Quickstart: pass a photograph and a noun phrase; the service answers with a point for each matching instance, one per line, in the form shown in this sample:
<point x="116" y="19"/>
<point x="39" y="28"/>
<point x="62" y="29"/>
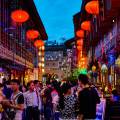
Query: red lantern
<point x="92" y="7"/>
<point x="80" y="33"/>
<point x="32" y="34"/>
<point x="79" y="48"/>
<point x="38" y="43"/>
<point x="19" y="16"/>
<point x="86" y="25"/>
<point x="80" y="42"/>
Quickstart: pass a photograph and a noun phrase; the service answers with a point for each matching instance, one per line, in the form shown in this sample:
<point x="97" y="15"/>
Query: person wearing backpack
<point x="16" y="103"/>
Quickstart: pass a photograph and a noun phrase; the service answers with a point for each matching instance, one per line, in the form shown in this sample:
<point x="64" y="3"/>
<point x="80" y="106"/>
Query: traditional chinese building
<point x="18" y="56"/>
<point x="101" y="42"/>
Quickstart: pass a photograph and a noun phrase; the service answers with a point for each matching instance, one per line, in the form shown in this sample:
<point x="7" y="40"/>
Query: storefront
<point x="106" y="54"/>
<point x="117" y="70"/>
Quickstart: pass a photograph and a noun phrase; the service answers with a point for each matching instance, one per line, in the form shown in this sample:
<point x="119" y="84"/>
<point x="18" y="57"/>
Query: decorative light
<point x="117" y="63"/>
<point x="39" y="53"/>
<point x="80" y="33"/>
<point x="43" y="65"/>
<point x="19" y="16"/>
<point x="104" y="68"/>
<point x="43" y="59"/>
<point x="86" y="25"/>
<point x="93" y="68"/>
<point x="38" y="43"/>
<point x="79" y="48"/>
<point x="43" y="70"/>
<point x="80" y="42"/>
<point x="92" y="7"/>
<point x="39" y="64"/>
<point x="83" y="71"/>
<point x="43" y="48"/>
<point x="32" y="34"/>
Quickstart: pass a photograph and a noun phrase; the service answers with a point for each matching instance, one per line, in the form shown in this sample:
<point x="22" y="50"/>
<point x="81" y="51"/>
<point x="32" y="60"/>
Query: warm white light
<point x="39" y="64"/>
<point x="43" y="59"/>
<point x="43" y="47"/>
<point x="43" y="70"/>
<point x="39" y="53"/>
<point x="40" y="48"/>
<point x="113" y="20"/>
<point x="43" y="65"/>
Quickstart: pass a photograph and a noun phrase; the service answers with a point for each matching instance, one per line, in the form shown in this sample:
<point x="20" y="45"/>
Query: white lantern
<point x="104" y="69"/>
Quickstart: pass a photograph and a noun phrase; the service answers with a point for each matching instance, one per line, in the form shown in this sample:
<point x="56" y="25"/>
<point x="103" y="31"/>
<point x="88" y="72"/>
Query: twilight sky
<point x="57" y="17"/>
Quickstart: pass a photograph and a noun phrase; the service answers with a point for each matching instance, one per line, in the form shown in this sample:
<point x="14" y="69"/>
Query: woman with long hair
<point x="67" y="103"/>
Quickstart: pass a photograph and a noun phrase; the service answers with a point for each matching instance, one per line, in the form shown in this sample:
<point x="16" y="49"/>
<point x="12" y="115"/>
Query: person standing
<point x="67" y="103"/>
<point x="47" y="101"/>
<point x="88" y="99"/>
<point x="32" y="103"/>
<point x="38" y="91"/>
<point x="17" y="101"/>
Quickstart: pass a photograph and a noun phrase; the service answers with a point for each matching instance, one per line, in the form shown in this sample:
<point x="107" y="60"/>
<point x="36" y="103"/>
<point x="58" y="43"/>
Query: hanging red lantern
<point x="80" y="42"/>
<point x="80" y="33"/>
<point x="79" y="48"/>
<point x="32" y="34"/>
<point x="86" y="25"/>
<point x="38" y="43"/>
<point x="19" y="16"/>
<point x="92" y="7"/>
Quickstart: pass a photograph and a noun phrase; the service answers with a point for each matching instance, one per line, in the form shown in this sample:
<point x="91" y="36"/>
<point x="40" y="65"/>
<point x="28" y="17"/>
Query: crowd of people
<point x="51" y="101"/>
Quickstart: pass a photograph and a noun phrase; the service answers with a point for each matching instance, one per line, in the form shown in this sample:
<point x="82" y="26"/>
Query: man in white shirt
<point x="38" y="91"/>
<point x="32" y="103"/>
<point x="17" y="101"/>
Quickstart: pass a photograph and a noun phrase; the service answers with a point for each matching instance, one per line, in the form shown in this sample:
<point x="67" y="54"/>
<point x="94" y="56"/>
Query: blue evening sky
<point x="57" y="17"/>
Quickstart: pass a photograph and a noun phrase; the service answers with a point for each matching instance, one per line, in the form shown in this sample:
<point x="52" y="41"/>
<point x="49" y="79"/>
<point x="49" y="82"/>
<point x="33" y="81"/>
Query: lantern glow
<point x="86" y="25"/>
<point x="92" y="7"/>
<point x="43" y="48"/>
<point x="39" y="64"/>
<point x="80" y="42"/>
<point x="43" y="59"/>
<point x="38" y="43"/>
<point x="32" y="34"/>
<point x="39" y="53"/>
<point x="80" y="33"/>
<point x="19" y="16"/>
<point x="43" y="70"/>
<point x="79" y="48"/>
